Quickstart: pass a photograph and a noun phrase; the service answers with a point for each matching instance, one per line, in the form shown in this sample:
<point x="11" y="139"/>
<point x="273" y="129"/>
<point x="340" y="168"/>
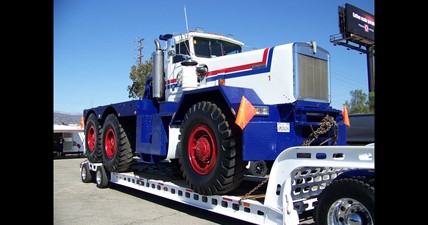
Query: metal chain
<point x="325" y="125"/>
<point x="254" y="189"/>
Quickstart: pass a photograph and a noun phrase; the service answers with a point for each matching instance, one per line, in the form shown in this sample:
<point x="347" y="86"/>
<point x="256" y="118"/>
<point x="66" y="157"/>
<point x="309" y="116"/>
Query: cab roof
<point x="209" y="35"/>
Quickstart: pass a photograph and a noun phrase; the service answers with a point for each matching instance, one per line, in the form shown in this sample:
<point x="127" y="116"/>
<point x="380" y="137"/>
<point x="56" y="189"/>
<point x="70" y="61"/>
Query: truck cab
<point x="198" y="47"/>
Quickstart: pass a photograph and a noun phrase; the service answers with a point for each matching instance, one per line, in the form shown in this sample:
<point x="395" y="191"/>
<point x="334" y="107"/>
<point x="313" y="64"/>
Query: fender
<point x="225" y="96"/>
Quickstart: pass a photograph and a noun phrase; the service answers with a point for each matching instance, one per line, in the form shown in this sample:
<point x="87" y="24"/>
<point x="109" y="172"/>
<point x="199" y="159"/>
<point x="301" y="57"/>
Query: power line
<point x="348" y="81"/>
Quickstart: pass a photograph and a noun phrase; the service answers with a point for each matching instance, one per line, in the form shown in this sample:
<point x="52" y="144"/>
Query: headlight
<point x="262" y="110"/>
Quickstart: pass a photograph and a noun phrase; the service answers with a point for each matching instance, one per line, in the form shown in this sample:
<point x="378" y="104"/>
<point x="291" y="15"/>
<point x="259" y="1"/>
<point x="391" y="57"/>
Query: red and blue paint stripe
<point x="249" y="69"/>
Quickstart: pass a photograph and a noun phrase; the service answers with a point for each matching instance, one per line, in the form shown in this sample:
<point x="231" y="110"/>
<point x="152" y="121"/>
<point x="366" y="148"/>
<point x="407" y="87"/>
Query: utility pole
<point x="370" y="67"/>
<point x="140" y="49"/>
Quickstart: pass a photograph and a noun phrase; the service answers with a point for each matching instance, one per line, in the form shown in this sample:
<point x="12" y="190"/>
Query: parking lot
<point x="76" y="202"/>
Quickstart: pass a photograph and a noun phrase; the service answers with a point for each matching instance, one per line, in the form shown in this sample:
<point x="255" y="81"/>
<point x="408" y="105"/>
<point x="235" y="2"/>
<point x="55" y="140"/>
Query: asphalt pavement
<point x="79" y="203"/>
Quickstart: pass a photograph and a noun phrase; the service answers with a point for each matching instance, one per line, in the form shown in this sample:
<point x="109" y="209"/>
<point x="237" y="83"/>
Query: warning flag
<point x="246" y="112"/>
<point x="345" y="116"/>
<point x="82" y="123"/>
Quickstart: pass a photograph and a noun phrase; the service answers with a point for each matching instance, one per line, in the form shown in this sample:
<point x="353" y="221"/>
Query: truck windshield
<point x="209" y="48"/>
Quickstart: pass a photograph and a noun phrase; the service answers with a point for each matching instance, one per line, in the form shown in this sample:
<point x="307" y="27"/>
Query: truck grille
<point x="313" y="78"/>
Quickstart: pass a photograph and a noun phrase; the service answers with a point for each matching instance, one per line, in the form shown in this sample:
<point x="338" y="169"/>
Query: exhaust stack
<point x="158" y="77"/>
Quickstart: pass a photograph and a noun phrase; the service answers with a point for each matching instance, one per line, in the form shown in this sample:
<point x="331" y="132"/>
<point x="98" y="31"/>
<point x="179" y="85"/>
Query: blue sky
<point x="95" y="41"/>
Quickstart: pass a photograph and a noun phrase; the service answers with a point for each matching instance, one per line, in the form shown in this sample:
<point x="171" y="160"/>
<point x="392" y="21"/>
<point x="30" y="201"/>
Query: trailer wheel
<point x="346" y="201"/>
<point x="208" y="155"/>
<point x="93" y="139"/>
<point x="101" y="177"/>
<point x="258" y="168"/>
<point x="117" y="152"/>
<point x="85" y="173"/>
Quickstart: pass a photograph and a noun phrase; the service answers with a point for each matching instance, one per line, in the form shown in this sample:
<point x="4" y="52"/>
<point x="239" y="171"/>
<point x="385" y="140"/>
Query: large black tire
<point x="93" y="139"/>
<point x="258" y="168"/>
<point x="117" y="152"/>
<point x="102" y="178"/>
<point x="347" y="201"/>
<point x="85" y="173"/>
<point x="208" y="151"/>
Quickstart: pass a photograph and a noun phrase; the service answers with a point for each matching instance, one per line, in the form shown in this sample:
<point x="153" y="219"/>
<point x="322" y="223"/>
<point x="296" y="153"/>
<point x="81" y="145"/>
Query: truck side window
<point x="181" y="51"/>
<point x="209" y="48"/>
<point x="230" y="48"/>
<point x="182" y="48"/>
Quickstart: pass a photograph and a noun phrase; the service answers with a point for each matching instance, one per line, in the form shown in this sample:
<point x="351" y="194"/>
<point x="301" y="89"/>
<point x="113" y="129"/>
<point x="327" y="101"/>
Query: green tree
<point x="371" y="102"/>
<point x="138" y="75"/>
<point x="348" y="105"/>
<point x="360" y="103"/>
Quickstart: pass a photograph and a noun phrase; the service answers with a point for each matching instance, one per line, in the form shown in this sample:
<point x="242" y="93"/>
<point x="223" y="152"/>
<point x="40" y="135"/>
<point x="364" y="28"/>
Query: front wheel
<point x="347" y="201"/>
<point x="209" y="155"/>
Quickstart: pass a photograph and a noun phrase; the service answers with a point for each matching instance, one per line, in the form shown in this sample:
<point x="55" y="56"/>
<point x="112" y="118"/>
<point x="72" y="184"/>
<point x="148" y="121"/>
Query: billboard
<point x="359" y="22"/>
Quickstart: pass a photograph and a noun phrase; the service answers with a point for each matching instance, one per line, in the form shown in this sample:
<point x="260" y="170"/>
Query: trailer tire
<point x="85" y="173"/>
<point x="93" y="139"/>
<point x="208" y="151"/>
<point x="347" y="200"/>
<point x="101" y="177"/>
<point x="258" y="168"/>
<point x="116" y="151"/>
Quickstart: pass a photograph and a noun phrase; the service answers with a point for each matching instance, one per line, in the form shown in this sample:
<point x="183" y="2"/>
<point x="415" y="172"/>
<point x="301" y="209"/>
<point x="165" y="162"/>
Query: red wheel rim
<point x="202" y="149"/>
<point x="110" y="143"/>
<point x="91" y="137"/>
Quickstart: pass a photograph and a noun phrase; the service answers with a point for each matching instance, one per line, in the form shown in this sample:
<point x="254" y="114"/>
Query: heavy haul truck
<point x="209" y="109"/>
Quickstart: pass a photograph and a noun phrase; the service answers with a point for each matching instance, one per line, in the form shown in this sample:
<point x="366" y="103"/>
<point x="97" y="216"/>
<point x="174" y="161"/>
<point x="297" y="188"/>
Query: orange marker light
<point x="222" y="82"/>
